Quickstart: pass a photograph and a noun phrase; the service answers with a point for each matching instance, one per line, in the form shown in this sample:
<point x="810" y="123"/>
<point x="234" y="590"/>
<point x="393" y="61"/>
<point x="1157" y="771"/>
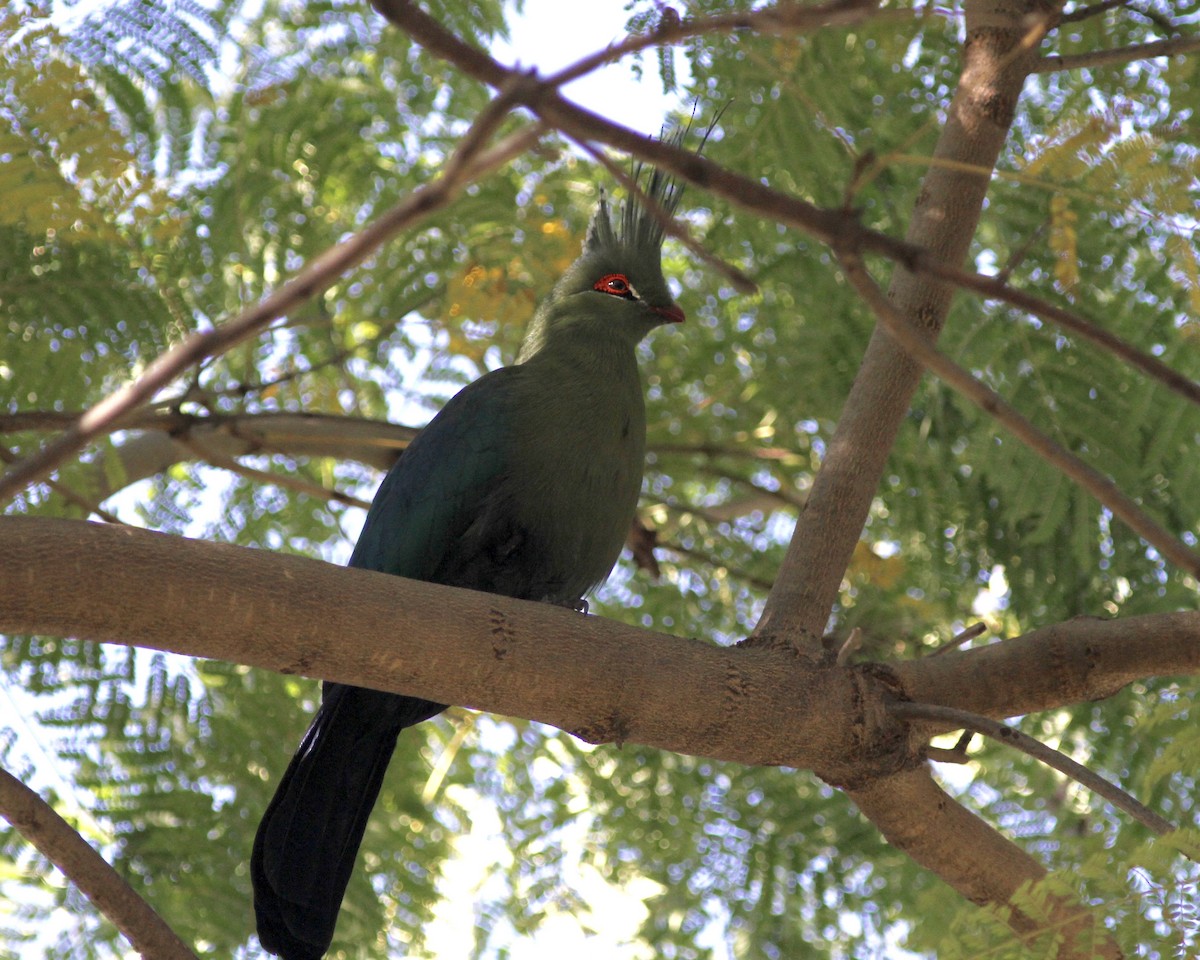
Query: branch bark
<point x="597" y="679"/>
<point x="62" y="845"/>
<point x="943" y="225"/>
<point x="289" y="614"/>
<point x="1078" y="661"/>
<point x="989" y="867"/>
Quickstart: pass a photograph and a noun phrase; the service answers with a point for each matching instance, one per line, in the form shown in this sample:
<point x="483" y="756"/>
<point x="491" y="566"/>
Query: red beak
<point x="673" y="313"/>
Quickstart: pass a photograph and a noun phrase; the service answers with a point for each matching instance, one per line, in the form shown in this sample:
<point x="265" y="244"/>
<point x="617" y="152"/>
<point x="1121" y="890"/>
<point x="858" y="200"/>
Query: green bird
<point x="525" y="484"/>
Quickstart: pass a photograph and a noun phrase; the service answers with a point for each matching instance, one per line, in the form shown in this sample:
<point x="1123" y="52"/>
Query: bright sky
<point x="551" y="34"/>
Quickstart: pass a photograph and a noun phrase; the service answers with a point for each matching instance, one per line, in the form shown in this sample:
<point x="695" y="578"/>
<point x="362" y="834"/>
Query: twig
<point x="1089" y="478"/>
<point x="1118" y="55"/>
<point x="947" y="754"/>
<point x="1086" y="13"/>
<point x="957" y="641"/>
<point x="835" y="227"/>
<point x="789" y="18"/>
<point x="1039" y="751"/>
<point x="1017" y="257"/>
<point x="67" y="493"/>
<point x="100" y="883"/>
<point x="703" y="448"/>
<point x="437" y="775"/>
<point x="758" y="583"/>
<point x="468" y="162"/>
<point x="265" y="476"/>
<point x="851" y="646"/>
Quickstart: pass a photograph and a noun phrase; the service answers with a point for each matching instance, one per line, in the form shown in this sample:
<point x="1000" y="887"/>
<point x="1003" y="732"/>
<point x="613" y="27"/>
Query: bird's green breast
<point x="581" y="446"/>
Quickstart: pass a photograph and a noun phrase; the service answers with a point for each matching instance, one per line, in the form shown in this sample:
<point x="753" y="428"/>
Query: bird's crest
<point x="643" y="211"/>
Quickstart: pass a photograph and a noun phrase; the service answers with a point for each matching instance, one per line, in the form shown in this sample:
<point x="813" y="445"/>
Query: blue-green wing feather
<point x="438" y="487"/>
<point x="424" y="524"/>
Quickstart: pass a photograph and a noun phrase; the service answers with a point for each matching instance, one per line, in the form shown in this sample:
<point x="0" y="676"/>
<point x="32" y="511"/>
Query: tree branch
<point x="951" y="841"/>
<point x="469" y="162"/>
<point x="1101" y="487"/>
<point x="1086" y="13"/>
<point x="747" y="705"/>
<point x="62" y="845"/>
<point x="68" y="493"/>
<point x="779" y="18"/>
<point x="974" y="109"/>
<point x="285" y="480"/>
<point x="943" y="225"/>
<point x="1039" y="751"/>
<point x="598" y="679"/>
<point x="1118" y="55"/>
<point x="1079" y="661"/>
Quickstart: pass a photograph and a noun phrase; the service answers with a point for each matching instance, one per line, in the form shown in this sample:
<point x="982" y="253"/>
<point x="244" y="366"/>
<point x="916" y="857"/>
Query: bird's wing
<point x="441" y="483"/>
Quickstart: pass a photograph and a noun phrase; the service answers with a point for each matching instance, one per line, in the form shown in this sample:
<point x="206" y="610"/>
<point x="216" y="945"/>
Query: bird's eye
<point x="616" y="284"/>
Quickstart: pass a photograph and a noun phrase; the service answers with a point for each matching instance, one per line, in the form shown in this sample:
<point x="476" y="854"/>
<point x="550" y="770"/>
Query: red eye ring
<point x="615" y="284"/>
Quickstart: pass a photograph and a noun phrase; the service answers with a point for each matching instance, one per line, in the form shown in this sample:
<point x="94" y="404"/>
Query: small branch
<point x="1017" y="257"/>
<point x="969" y="634"/>
<point x="1079" y="661"/>
<point x="789" y="18"/>
<point x="67" y="493"/>
<point x="758" y="583"/>
<point x="468" y="162"/>
<point x="705" y="449"/>
<point x="287" y="481"/>
<point x="37" y="822"/>
<point x="1039" y="751"/>
<point x="1090" y="479"/>
<point x="1118" y="55"/>
<point x="947" y="755"/>
<point x="1086" y="13"/>
<point x="851" y="646"/>
<point x="466" y="726"/>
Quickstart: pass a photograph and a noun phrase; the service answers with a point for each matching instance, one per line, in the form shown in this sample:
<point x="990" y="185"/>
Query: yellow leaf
<point x="1063" y="242"/>
<point x="1183" y="254"/>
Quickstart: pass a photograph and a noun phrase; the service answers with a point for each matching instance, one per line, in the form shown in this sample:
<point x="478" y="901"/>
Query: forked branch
<point x="1003" y="733"/>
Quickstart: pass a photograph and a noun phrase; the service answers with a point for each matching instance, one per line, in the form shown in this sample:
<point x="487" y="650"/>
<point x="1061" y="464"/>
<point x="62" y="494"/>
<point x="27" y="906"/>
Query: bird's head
<point x="616" y="287"/>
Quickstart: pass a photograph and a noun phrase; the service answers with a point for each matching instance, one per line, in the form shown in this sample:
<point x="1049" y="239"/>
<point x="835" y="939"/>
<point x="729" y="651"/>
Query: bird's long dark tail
<point x="308" y="840"/>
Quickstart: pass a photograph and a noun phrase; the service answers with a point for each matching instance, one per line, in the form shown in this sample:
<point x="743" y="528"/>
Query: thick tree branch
<point x="62" y="845"/>
<point x="1078" y="661"/>
<point x="598" y="679"/>
<point x="953" y="842"/>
